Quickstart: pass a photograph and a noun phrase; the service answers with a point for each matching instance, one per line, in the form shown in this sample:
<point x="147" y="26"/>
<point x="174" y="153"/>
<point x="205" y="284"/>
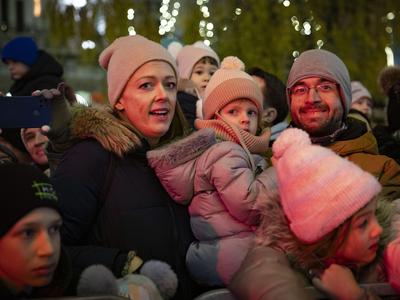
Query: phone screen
<point x="24" y="112"/>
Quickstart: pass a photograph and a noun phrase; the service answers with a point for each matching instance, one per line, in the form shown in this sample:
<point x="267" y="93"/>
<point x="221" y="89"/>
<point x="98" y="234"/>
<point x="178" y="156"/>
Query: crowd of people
<point x="224" y="176"/>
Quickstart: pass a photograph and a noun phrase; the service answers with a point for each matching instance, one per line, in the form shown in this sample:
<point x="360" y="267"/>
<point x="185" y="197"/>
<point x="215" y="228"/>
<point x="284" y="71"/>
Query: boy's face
<point x="242" y="113"/>
<point x="361" y="243"/>
<point x="16" y="69"/>
<point x="35" y="142"/>
<point x="30" y="250"/>
<point x="201" y="74"/>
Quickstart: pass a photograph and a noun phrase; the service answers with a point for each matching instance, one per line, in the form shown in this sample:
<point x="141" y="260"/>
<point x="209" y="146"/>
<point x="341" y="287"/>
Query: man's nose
<point x="313" y="95"/>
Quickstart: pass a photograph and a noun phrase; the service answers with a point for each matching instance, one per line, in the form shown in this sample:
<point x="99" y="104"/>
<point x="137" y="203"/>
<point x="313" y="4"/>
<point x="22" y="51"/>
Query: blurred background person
<point x="35" y="143"/>
<point x="361" y="103"/>
<point x="31" y="69"/>
<point x="388" y="136"/>
<point x="275" y="104"/>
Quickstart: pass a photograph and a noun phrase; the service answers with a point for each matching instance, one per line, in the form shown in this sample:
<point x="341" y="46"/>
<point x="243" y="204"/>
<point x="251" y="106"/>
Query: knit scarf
<point x="225" y="131"/>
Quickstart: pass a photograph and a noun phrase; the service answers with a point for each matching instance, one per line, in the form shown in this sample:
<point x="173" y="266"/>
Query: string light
<point x="168" y="16"/>
<point x="205" y="28"/>
<point x="306" y="27"/>
<point x="130" y="15"/>
<point x="88" y="44"/>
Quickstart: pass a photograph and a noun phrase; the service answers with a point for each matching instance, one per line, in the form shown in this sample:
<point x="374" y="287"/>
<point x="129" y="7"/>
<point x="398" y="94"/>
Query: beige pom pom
<point x="232" y="63"/>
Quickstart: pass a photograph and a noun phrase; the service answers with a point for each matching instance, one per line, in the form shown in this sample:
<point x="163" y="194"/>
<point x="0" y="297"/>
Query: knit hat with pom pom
<point x="319" y="190"/>
<point x="230" y="83"/>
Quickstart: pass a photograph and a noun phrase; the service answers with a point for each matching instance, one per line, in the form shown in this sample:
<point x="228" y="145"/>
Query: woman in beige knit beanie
<point x="115" y="211"/>
<point x="220" y="173"/>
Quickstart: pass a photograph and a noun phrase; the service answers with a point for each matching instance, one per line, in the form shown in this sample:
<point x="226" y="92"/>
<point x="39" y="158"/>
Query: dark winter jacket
<point x="359" y="145"/>
<point x="45" y="73"/>
<point x="188" y="104"/>
<point x="388" y="142"/>
<point x="112" y="202"/>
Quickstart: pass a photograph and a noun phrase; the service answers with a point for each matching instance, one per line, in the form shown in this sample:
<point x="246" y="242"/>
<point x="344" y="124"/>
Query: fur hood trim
<point x="274" y="230"/>
<point x="184" y="150"/>
<point x="388" y="77"/>
<point x="100" y="123"/>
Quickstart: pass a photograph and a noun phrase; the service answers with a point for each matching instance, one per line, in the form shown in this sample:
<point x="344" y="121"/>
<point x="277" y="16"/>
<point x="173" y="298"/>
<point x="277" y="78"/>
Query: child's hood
<point x="175" y="163"/>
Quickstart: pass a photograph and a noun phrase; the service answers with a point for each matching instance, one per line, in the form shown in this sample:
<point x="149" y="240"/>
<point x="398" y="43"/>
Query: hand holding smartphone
<point x="24" y="111"/>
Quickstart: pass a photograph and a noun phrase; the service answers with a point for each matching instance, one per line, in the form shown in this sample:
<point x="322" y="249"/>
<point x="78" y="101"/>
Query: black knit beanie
<point x="23" y="188"/>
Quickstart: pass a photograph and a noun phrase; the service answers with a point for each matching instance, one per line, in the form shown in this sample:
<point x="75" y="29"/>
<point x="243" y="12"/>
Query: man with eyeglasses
<point x="319" y="97"/>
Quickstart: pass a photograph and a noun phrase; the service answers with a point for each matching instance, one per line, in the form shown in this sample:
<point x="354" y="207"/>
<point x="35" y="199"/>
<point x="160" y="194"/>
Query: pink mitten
<point x="392" y="263"/>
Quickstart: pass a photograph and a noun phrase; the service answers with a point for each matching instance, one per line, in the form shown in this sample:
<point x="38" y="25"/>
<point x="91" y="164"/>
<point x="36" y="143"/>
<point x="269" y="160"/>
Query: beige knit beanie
<point x="319" y="190"/>
<point x="230" y="83"/>
<point x="124" y="56"/>
<point x="189" y="55"/>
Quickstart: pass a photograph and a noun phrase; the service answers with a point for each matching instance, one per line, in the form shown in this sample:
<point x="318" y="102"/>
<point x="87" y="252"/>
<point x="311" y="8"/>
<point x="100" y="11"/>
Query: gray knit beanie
<point x="325" y="64"/>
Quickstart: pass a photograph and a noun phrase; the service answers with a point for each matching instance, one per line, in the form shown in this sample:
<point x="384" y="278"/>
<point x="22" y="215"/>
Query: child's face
<point x="201" y="74"/>
<point x="364" y="105"/>
<point x="242" y="113"/>
<point x="362" y="241"/>
<point x="30" y="250"/>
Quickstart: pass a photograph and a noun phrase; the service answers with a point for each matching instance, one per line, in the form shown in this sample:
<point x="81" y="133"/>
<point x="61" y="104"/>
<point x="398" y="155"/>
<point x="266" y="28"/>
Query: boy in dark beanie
<point x="31" y="261"/>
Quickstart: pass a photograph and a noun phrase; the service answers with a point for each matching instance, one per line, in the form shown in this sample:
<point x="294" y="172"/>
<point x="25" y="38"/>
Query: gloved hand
<point x="58" y="131"/>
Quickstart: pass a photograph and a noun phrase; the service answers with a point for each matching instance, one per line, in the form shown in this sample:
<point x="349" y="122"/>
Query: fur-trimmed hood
<point x="274" y="231"/>
<point x="179" y="157"/>
<point x="101" y="123"/>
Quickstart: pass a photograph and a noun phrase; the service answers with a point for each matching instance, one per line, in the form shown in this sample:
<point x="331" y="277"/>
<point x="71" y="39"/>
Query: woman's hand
<point x="339" y="282"/>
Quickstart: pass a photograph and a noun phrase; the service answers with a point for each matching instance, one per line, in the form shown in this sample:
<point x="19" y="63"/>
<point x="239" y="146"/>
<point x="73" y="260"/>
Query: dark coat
<point x="388" y="142"/>
<point x="133" y="213"/>
<point x="188" y="104"/>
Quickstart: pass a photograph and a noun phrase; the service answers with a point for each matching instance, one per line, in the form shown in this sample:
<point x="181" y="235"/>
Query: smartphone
<point x="24" y="111"/>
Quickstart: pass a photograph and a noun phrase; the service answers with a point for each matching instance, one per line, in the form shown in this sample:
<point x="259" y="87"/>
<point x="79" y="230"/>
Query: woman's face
<point x="361" y="243"/>
<point x="149" y="98"/>
<point x="30" y="250"/>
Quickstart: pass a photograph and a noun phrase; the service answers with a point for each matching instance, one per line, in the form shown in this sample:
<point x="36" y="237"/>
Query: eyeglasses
<point x="321" y="89"/>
